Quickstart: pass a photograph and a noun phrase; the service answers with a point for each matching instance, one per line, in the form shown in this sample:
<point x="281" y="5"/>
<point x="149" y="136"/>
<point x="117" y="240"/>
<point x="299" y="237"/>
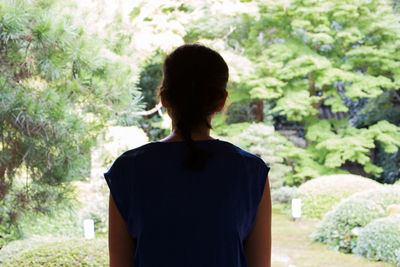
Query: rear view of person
<point x="190" y="200"/>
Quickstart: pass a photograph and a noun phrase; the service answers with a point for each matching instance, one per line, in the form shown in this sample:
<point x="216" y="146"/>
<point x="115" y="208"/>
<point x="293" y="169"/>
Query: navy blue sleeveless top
<point x="184" y="218"/>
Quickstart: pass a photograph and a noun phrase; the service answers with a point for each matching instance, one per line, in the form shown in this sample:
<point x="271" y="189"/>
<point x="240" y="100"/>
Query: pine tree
<point x="56" y="95"/>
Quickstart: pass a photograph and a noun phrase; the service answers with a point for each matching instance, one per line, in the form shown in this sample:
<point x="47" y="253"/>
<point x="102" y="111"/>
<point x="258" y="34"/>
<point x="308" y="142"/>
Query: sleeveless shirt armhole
<point x="264" y="170"/>
<point x="262" y="180"/>
<point x="117" y="185"/>
<point x="258" y="187"/>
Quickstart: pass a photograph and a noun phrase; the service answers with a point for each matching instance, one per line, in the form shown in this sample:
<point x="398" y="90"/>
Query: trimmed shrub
<point x="393" y="210"/>
<point x="317" y="206"/>
<point x="337" y="226"/>
<point x="380" y="240"/>
<point x="74" y="252"/>
<point x="384" y="197"/>
<point x="321" y="194"/>
<point x="284" y="194"/>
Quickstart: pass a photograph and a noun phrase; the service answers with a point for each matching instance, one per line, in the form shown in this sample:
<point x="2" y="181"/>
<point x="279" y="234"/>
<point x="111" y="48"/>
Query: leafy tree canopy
<point x="312" y="54"/>
<point x="56" y="94"/>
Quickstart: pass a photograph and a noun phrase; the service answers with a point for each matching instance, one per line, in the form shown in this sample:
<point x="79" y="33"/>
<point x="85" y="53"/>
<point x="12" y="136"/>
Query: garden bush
<point x="321" y="194"/>
<point x="73" y="252"/>
<point x="63" y="221"/>
<point x="384" y="197"/>
<point x="284" y="194"/>
<point x="380" y="240"/>
<point x="317" y="206"/>
<point x="337" y="228"/>
<point x="392" y="210"/>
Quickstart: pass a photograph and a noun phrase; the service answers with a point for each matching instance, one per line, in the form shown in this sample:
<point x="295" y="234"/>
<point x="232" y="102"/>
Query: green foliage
<point x="229" y="130"/>
<point x="396" y="6"/>
<point x="337" y="226"/>
<point x="152" y="127"/>
<point x="100" y="225"/>
<point x="304" y="165"/>
<point x="239" y="112"/>
<point x="393" y="210"/>
<point x="265" y="88"/>
<point x="302" y="50"/>
<point x="317" y="206"/>
<point x="134" y="13"/>
<point x="380" y="240"/>
<point x="296" y="104"/>
<point x="321" y="194"/>
<point x="74" y="252"/>
<point x="384" y="107"/>
<point x="383" y="197"/>
<point x="56" y="95"/>
<point x="208" y="27"/>
<point x="337" y="143"/>
<point x="297" y="61"/>
<point x="284" y="194"/>
<point x="9" y="231"/>
<point x="61" y="222"/>
<point x="150" y="78"/>
<point x="58" y="91"/>
<point x="290" y="165"/>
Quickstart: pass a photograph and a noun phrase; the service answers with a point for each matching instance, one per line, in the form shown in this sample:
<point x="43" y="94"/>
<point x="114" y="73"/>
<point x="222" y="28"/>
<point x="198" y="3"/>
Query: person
<point x="190" y="199"/>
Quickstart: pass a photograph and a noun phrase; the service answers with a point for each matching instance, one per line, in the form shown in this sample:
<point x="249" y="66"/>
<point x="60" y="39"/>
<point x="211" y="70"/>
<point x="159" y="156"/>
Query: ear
<point x="223" y="102"/>
<point x="164" y="102"/>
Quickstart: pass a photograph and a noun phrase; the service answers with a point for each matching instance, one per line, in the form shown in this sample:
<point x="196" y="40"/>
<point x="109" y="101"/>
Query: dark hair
<point x="194" y="84"/>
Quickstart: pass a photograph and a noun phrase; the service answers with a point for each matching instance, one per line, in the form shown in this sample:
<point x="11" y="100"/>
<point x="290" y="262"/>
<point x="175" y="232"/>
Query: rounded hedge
<point x="317" y="206"/>
<point x="283" y="194"/>
<point x="338" y="227"/>
<point x="380" y="240"/>
<point x="321" y="194"/>
<point x="392" y="210"/>
<point x="384" y="197"/>
<point x="74" y="252"/>
<point x="338" y="185"/>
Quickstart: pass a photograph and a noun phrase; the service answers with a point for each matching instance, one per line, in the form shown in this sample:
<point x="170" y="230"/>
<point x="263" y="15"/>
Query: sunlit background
<point x="314" y="89"/>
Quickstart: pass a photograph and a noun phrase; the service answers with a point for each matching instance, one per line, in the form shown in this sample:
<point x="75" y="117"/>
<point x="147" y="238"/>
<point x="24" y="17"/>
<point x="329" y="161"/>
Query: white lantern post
<point x="88" y="227"/>
<point x="296" y="208"/>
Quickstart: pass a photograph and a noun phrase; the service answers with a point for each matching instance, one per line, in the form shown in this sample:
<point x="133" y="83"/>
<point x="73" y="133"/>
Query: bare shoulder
<point x="258" y="244"/>
<point x="122" y="246"/>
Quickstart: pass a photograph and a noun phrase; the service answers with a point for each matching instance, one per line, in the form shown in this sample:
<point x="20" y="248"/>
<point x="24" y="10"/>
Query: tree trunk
<point x="257" y="109"/>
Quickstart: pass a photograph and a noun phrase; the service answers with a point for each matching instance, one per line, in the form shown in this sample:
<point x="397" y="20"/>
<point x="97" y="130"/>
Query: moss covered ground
<point x="292" y="247"/>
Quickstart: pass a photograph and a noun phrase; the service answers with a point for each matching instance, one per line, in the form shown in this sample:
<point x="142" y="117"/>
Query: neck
<point x="200" y="133"/>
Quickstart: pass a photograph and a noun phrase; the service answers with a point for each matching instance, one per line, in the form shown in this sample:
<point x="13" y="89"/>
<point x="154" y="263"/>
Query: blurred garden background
<point x="314" y="90"/>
